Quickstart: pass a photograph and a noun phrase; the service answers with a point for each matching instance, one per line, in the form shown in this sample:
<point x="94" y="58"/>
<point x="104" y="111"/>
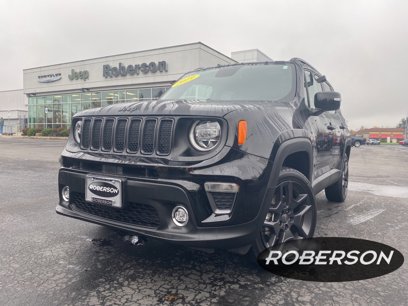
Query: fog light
<point x="180" y="216"/>
<point x="65" y="193"/>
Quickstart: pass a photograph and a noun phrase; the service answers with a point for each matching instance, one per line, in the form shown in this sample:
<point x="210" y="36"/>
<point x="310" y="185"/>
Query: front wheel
<point x="291" y="214"/>
<point x="357" y="144"/>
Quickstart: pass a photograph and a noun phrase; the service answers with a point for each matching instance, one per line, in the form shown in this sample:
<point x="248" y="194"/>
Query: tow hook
<point x="134" y="240"/>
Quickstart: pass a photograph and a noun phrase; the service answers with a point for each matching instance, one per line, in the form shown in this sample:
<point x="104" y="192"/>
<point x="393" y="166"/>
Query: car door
<point x="318" y="125"/>
<point x="337" y="128"/>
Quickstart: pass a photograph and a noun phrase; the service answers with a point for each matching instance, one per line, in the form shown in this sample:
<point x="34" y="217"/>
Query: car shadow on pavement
<point x="159" y="272"/>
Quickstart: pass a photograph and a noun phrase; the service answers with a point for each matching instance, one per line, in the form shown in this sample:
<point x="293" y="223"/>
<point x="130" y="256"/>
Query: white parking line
<point x="366" y="216"/>
<point x="357" y="204"/>
<point x="380" y="190"/>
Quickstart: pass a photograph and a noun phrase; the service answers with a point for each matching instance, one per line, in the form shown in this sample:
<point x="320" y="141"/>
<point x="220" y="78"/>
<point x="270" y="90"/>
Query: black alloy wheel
<point x="291" y="214"/>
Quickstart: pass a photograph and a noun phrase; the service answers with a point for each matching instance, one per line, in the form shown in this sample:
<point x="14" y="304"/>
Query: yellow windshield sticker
<point x="186" y="80"/>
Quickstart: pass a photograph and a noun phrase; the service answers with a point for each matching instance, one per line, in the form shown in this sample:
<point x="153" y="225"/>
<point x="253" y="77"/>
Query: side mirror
<point x="327" y="101"/>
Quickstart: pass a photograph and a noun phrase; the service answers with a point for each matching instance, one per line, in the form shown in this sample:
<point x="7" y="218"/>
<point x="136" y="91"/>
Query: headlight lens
<point x="205" y="136"/>
<point x="77" y="131"/>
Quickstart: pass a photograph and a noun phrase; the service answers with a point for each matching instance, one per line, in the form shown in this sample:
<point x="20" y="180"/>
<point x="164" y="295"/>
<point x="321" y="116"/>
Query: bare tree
<point x="403" y="123"/>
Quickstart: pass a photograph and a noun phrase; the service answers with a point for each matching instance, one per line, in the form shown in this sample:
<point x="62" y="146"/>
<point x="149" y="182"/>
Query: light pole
<point x="406" y="127"/>
<point x="46" y="117"/>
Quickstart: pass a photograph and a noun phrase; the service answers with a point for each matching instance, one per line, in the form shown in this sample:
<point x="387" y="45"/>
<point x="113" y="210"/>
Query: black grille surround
<point x="132" y="213"/>
<point x="134" y="135"/>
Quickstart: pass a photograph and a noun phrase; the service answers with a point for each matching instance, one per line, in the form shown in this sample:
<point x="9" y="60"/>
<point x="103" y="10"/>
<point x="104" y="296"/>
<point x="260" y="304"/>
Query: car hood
<point x="160" y="108"/>
<point x="172" y="107"/>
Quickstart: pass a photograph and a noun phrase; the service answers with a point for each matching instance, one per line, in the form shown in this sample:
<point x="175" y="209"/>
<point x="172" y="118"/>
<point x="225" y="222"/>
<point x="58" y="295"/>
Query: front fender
<point x="278" y="156"/>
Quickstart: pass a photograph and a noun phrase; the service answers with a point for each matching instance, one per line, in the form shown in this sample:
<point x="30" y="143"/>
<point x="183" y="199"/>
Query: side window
<point x="307" y="80"/>
<point x="312" y="87"/>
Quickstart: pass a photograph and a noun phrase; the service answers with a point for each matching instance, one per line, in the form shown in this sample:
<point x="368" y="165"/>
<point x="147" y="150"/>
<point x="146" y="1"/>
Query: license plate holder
<point x="104" y="191"/>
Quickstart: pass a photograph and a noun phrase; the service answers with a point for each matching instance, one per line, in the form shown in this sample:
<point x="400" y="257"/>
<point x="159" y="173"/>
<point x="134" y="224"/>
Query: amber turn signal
<point x="242" y="132"/>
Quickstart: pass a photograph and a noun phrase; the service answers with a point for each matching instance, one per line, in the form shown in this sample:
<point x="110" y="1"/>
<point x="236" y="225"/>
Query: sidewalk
<point x="34" y="137"/>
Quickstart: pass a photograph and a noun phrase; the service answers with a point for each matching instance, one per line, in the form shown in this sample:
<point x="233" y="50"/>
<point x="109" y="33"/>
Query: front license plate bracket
<point x="104" y="191"/>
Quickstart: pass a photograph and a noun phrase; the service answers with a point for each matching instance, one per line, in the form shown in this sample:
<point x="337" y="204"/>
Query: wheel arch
<point x="296" y="153"/>
<point x="286" y="151"/>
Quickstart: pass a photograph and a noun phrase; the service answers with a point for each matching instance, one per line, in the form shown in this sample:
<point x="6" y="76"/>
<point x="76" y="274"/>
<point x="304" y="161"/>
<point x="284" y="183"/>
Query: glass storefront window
<point x="48" y="99"/>
<point x="57" y="115"/>
<point x="65" y="113"/>
<point x="145" y="94"/>
<point x="32" y="114"/>
<point x="62" y="107"/>
<point x="32" y="101"/>
<point x="40" y="114"/>
<point x="132" y="95"/>
<point x="75" y="98"/>
<point x="86" y="100"/>
<point x="49" y="115"/>
<point x="86" y="97"/>
<point x="40" y="100"/>
<point x="66" y="98"/>
<point x="157" y="92"/>
<point x="57" y="99"/>
<point x="121" y="96"/>
<point x="75" y="108"/>
<point x="96" y="99"/>
<point x="108" y="97"/>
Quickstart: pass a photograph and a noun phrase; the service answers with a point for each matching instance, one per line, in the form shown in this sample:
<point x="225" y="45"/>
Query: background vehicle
<point x="373" y="142"/>
<point x="230" y="157"/>
<point x="358" y="141"/>
<point x="404" y="142"/>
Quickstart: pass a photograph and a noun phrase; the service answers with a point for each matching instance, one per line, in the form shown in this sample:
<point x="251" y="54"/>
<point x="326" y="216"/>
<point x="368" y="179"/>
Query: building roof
<point x="129" y="53"/>
<point x="381" y="130"/>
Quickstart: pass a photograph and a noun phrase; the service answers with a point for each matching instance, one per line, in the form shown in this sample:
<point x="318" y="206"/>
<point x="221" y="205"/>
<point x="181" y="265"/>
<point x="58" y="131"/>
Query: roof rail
<point x="297" y="59"/>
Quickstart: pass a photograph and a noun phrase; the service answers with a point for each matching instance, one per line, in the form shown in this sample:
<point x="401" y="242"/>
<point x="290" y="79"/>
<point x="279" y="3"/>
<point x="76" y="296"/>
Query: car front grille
<point x="131" y="213"/>
<point x="144" y="136"/>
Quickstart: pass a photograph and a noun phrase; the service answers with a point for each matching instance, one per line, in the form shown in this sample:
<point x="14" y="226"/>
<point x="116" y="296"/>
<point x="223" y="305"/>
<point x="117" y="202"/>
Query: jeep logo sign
<point x="103" y="189"/>
<point x="329" y="259"/>
<point x="80" y="75"/>
<point x="123" y="70"/>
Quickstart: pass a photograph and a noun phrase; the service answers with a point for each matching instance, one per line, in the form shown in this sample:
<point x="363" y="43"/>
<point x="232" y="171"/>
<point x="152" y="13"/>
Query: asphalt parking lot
<point x="47" y="259"/>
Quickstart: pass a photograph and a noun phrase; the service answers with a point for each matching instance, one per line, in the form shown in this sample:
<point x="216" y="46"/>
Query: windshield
<point x="250" y="82"/>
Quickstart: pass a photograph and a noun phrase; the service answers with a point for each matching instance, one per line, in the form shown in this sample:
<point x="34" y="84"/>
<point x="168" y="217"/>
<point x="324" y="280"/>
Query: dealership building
<point x="52" y="94"/>
<point x="56" y="92"/>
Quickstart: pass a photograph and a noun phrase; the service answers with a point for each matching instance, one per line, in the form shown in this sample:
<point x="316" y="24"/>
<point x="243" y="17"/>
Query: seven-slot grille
<point x="134" y="135"/>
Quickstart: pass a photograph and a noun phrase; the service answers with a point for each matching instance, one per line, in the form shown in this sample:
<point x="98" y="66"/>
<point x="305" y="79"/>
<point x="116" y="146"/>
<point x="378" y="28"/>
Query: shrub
<point x="63" y="133"/>
<point x="24" y="131"/>
<point x="46" y="132"/>
<point x="31" y="132"/>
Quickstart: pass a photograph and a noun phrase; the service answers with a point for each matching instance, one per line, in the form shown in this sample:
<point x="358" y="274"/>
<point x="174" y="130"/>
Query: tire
<point x="338" y="191"/>
<point x="357" y="143"/>
<point x="288" y="218"/>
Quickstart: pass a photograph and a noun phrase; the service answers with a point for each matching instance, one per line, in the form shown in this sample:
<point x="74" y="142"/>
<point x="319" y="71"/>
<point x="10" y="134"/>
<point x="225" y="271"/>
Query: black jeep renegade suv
<point x="230" y="157"/>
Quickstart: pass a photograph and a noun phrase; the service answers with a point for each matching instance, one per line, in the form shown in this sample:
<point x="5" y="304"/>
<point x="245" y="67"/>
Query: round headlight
<point x="205" y="136"/>
<point x="77" y="131"/>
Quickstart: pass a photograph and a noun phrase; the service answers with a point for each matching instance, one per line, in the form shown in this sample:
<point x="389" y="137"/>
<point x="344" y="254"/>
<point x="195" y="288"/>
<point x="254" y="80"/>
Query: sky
<point x="361" y="46"/>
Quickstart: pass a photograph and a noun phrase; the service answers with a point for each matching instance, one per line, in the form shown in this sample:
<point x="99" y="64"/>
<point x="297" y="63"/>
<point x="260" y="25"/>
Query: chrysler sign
<point x="124" y="70"/>
<point x="49" y="78"/>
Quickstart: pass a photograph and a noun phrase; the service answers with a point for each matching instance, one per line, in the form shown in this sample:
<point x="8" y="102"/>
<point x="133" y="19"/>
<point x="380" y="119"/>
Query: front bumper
<point x="148" y="204"/>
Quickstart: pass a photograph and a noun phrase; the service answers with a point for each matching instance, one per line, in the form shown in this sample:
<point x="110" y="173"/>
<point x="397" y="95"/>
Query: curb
<point x="35" y="137"/>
